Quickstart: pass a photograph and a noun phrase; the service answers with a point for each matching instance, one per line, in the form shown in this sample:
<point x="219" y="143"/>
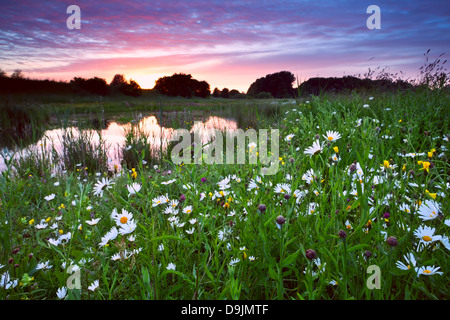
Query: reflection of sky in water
<point x="115" y="136"/>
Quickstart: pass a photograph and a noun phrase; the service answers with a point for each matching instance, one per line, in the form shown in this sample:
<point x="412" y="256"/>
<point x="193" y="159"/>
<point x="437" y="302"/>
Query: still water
<point x="114" y="136"/>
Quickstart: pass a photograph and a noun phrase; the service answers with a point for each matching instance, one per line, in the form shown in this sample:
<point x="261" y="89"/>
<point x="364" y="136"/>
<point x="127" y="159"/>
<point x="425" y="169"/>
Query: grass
<point x="217" y="244"/>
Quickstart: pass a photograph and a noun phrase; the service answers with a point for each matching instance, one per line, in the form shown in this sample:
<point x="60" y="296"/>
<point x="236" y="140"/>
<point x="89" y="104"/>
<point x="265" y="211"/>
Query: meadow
<point x="357" y="210"/>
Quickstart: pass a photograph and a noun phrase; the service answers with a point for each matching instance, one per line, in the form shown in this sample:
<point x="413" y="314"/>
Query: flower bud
<point x="281" y="220"/>
<point x="310" y="254"/>
<point x="392" y="241"/>
<point x="342" y="234"/>
<point x="262" y="208"/>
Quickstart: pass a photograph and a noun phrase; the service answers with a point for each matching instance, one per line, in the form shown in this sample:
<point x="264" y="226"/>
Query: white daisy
<point x="94" y="285"/>
<point x="50" y="197"/>
<point x="134" y="188"/>
<point x="61" y="293"/>
<point x="332" y="135"/>
<point x="314" y="149"/>
<point x="429" y="210"/>
<point x="93" y="222"/>
<point x="428" y="271"/>
<point x="171" y="266"/>
<point x="101" y="186"/>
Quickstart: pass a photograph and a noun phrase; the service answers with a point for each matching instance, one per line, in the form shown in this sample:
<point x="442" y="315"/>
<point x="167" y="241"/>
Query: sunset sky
<point x="226" y="43"/>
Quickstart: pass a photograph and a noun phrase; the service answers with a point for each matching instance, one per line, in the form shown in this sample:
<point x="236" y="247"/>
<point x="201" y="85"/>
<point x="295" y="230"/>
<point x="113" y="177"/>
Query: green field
<point x="373" y="198"/>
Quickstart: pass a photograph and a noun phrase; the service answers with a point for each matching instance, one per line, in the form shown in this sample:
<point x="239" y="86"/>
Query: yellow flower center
<point x="348" y="226"/>
<point x="427" y="271"/>
<point x="330" y="138"/>
<point x="426" y="238"/>
<point x="123" y="220"/>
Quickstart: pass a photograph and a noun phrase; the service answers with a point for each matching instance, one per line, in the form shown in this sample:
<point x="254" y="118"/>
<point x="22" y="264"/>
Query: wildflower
<point x="428" y="271"/>
<point x="134" y="173"/>
<point x="289" y="137"/>
<point x="310" y="254"/>
<point x="92" y="222"/>
<point x="110" y="235"/>
<point x="190" y="231"/>
<point x="282" y="188"/>
<point x="31" y="222"/>
<point x="336" y="149"/>
<point x="314" y="149"/>
<point x="332" y="136"/>
<point x="429" y="210"/>
<point x="101" y="186"/>
<point x="187" y="209"/>
<point x="122" y="218"/>
<point x="94" y="285"/>
<point x="280" y="221"/>
<point x="392" y="241"/>
<point x="342" y="234"/>
<point x="44" y="265"/>
<point x="410" y="260"/>
<point x="233" y="262"/>
<point x="134" y="188"/>
<point x="50" y="197"/>
<point x="262" y="208"/>
<point x="171" y="266"/>
<point x="61" y="293"/>
<point x="168" y="182"/>
<point x="128" y="227"/>
<point x="426" y="235"/>
<point x="348" y="225"/>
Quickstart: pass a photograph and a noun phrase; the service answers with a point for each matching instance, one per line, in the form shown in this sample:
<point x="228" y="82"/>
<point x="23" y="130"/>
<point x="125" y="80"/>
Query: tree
<point x="3" y="74"/>
<point x="182" y="85"/>
<point x="120" y="85"/>
<point x="216" y="93"/>
<point x="225" y="93"/>
<point x="17" y="74"/>
<point x="93" y="86"/>
<point x="278" y="84"/>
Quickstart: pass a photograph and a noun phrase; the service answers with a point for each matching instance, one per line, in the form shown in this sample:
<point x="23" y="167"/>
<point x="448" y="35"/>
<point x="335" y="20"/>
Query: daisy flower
<point x="101" y="186"/>
<point x="426" y="235"/>
<point x="410" y="260"/>
<point x="187" y="209"/>
<point x="93" y="222"/>
<point x="44" y="265"/>
<point x="50" y="197"/>
<point x="94" y="285"/>
<point x="169" y="181"/>
<point x="289" y="137"/>
<point x="314" y="149"/>
<point x="110" y="235"/>
<point x="282" y="188"/>
<point x="134" y="188"/>
<point x="308" y="176"/>
<point x="428" y="271"/>
<point x="173" y="203"/>
<point x="159" y="200"/>
<point x="429" y="210"/>
<point x="224" y="184"/>
<point x="233" y="262"/>
<point x="122" y="218"/>
<point x="61" y="293"/>
<point x="171" y="266"/>
<point x="191" y="231"/>
<point x="128" y="227"/>
<point x="332" y="136"/>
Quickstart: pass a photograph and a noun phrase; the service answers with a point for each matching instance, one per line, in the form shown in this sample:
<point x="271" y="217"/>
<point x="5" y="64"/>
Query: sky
<point x="229" y="44"/>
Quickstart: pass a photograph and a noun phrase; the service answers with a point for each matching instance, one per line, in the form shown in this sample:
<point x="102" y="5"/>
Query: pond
<point x="157" y="129"/>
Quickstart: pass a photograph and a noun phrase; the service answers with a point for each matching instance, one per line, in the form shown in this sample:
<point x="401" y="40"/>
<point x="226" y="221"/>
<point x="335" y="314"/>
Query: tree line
<point x="275" y="85"/>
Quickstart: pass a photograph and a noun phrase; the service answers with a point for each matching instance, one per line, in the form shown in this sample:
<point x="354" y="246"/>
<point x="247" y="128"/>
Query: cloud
<point x="216" y="39"/>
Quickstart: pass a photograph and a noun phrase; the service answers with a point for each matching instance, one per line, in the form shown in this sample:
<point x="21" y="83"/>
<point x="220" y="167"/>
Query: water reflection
<point x="114" y="136"/>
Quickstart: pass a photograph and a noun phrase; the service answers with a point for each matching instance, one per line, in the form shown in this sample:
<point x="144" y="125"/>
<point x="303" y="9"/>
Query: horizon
<point x="227" y="45"/>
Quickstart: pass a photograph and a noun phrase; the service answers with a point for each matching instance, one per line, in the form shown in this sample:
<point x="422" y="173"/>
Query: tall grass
<point x="234" y="248"/>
